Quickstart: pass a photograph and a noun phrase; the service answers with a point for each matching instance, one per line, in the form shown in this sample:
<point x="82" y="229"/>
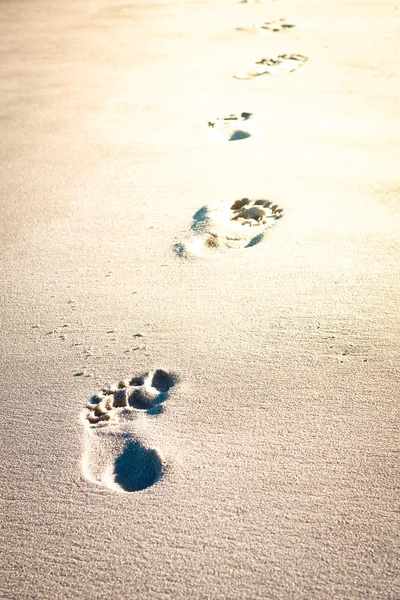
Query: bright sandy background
<point x="281" y="439"/>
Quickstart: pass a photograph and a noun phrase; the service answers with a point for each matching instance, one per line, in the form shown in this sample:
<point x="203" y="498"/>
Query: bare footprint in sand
<point x="231" y="127"/>
<point x="283" y="63"/>
<point x="238" y="225"/>
<point x="279" y="25"/>
<point x="115" y="454"/>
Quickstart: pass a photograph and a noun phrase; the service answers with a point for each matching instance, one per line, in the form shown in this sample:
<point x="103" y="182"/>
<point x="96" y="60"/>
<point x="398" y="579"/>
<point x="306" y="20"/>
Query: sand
<point x="271" y="468"/>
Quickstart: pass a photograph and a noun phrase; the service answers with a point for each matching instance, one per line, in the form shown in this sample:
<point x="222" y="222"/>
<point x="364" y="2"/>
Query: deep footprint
<point x="114" y="455"/>
<point x="283" y="63"/>
<point x="238" y="225"/>
<point x="231" y="127"/>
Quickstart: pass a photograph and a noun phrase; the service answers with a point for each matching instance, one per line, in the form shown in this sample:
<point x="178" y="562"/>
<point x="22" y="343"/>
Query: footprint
<point x="115" y="455"/>
<point x="283" y="63"/>
<point x="238" y="225"/>
<point x="229" y="127"/>
<point x="278" y="25"/>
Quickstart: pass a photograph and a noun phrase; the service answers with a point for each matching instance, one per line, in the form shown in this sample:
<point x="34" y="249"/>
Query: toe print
<point x="283" y="63"/>
<point x="238" y="225"/>
<point x="110" y="405"/>
<point x="115" y="456"/>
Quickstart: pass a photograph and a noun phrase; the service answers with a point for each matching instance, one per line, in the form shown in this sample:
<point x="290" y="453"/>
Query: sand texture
<point x="200" y="396"/>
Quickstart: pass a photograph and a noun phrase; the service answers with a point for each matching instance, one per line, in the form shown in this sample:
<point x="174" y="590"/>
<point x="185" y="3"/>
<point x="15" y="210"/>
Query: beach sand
<point x="276" y="453"/>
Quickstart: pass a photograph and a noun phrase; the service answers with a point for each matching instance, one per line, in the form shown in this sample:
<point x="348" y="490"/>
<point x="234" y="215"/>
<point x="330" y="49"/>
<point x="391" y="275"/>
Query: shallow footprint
<point x="231" y="127"/>
<point x="274" y="26"/>
<point x="114" y="454"/>
<point x="283" y="63"/>
<point x="238" y="225"/>
<point x="277" y="25"/>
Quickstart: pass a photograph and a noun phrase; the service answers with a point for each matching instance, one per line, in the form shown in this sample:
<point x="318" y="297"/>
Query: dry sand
<point x="279" y="442"/>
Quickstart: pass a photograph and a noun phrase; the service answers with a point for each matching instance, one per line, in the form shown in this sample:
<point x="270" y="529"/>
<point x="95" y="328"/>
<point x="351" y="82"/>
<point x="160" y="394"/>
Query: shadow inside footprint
<point x="147" y="398"/>
<point x="255" y="240"/>
<point x="141" y="399"/>
<point x="200" y="220"/>
<point x="137" y="468"/>
<point x="239" y="135"/>
<point x="163" y="381"/>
